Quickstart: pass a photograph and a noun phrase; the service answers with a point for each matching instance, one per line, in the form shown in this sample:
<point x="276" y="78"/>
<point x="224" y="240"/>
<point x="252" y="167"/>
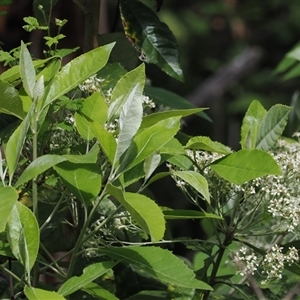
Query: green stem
<point x="10" y="273"/>
<point x="212" y="280"/>
<point x="81" y="235"/>
<point x="54" y="210"/>
<point x="102" y="224"/>
<point x="54" y="262"/>
<point x="34" y="184"/>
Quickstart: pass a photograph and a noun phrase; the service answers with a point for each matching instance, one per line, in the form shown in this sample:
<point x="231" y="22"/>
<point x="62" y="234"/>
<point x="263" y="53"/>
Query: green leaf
<point x="83" y="126"/>
<point x="133" y="175"/>
<point x="150" y="295"/>
<point x="150" y="164"/>
<point x="39" y="294"/>
<point x="76" y="71"/>
<point x="130" y="120"/>
<point x="10" y="101"/>
<point x="8" y="198"/>
<point x="294" y="54"/>
<point x="90" y="273"/>
<point x="251" y="124"/>
<point x="50" y="70"/>
<point x="98" y="292"/>
<point x="181" y="161"/>
<point x="23" y="235"/>
<point x="153" y="37"/>
<point x="172" y="147"/>
<point x="90" y="158"/>
<point x="142" y="209"/>
<point x="170" y="99"/>
<point x="95" y="108"/>
<point x="244" y="165"/>
<point x="39" y="89"/>
<point x="27" y="70"/>
<point x="38" y="166"/>
<point x="123" y="89"/>
<point x="272" y="126"/>
<point x="106" y="141"/>
<point x="152" y="119"/>
<point x="149" y="141"/>
<point x="16" y="142"/>
<point x="205" y="143"/>
<point x="159" y="263"/>
<point x="182" y="214"/>
<point x="13" y="73"/>
<point x="83" y="180"/>
<point x="196" y="181"/>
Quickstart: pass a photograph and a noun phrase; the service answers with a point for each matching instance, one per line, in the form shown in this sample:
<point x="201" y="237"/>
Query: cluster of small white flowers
<point x="147" y="102"/>
<point x="250" y="262"/>
<point x="91" y="85"/>
<point x="203" y="159"/>
<point x="274" y="261"/>
<point x="112" y="127"/>
<point x="270" y="266"/>
<point x="282" y="192"/>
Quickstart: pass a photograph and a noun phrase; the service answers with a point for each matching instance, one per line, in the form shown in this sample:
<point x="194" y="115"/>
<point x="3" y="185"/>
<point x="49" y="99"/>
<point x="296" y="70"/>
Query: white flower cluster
<point x="270" y="266"/>
<point x="147" y="102"/>
<point x="274" y="261"/>
<point x="281" y="193"/>
<point x="91" y="85"/>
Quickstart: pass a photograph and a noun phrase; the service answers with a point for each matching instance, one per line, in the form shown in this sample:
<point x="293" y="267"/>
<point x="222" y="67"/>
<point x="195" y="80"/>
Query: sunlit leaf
<point x="76" y="71"/>
<point x="272" y="126"/>
<point x="205" y="143"/>
<point x="196" y="181"/>
<point x="8" y="198"/>
<point x="106" y="141"/>
<point x="10" y="101"/>
<point x="95" y="108"/>
<point x="251" y="124"/>
<point x="39" y="294"/>
<point x="98" y="292"/>
<point x="130" y="120"/>
<point x="83" y="180"/>
<point x="244" y="165"/>
<point x="142" y="209"/>
<point x="149" y="141"/>
<point x="90" y="273"/>
<point x="133" y="79"/>
<point x="23" y="235"/>
<point x="27" y="70"/>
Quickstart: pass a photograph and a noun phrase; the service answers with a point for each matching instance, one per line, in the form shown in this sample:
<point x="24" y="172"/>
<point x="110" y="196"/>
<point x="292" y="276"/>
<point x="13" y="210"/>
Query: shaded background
<point x="211" y="35"/>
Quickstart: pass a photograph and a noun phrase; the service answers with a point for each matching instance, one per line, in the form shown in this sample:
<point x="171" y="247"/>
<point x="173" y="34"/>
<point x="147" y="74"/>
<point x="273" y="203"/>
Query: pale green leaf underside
<point x="23" y="235"/>
<point x="251" y="124"/>
<point x="272" y="126"/>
